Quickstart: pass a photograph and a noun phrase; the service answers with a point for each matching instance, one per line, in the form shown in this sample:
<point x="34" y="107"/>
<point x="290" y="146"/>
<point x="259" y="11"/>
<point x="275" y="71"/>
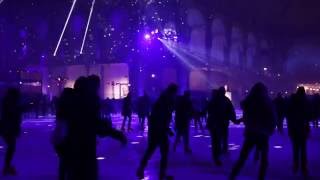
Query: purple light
<point x="147" y="37"/>
<point x="153" y="75"/>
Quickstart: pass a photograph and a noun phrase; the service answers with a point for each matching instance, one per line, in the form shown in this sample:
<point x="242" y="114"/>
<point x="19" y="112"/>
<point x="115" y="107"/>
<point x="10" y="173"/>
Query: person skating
<point x="298" y="118"/>
<point x="159" y="131"/>
<point x="127" y="112"/>
<point x="10" y="126"/>
<point x="259" y="118"/>
<point x="183" y="116"/>
<point x="220" y="112"/>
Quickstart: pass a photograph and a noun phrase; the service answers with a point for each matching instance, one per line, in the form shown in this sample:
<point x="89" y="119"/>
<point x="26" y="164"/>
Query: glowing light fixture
<point x="147" y="37"/>
<point x="101" y="158"/>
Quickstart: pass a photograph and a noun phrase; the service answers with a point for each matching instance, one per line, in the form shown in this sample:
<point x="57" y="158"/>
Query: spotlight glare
<point x="147" y="37"/>
<point x="64" y="27"/>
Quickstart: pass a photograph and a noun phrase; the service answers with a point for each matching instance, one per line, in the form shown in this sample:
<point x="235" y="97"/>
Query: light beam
<point x="65" y="26"/>
<point x="88" y="24"/>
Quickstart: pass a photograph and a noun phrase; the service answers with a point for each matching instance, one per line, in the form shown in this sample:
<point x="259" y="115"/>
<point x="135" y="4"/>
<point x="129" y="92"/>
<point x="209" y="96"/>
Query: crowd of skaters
<point x="81" y="116"/>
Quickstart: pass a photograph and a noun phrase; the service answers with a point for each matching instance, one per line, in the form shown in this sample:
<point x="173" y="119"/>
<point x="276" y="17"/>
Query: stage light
<point x="147" y="37"/>
<point x="100" y="158"/>
<point x="198" y="136"/>
<point x="64" y="27"/>
<point x="153" y="75"/>
<point x="87" y="27"/>
<point x="277" y="147"/>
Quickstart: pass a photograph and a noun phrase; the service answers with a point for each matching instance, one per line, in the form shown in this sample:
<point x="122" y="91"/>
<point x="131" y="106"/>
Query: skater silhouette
<point x="64" y="115"/>
<point x="260" y="120"/>
<point x="220" y="112"/>
<point x="183" y="116"/>
<point x="159" y="131"/>
<point x="127" y="112"/>
<point x="298" y="118"/>
<point x="143" y="106"/>
<point x="280" y="107"/>
<point x="10" y="126"/>
<point x="82" y="130"/>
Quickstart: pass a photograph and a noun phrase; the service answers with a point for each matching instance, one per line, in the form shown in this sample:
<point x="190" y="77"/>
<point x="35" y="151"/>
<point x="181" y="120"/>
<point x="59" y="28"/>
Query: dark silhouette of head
<point x="222" y="91"/>
<point x="67" y="92"/>
<point x="13" y="94"/>
<point x="259" y="90"/>
<point x="172" y="90"/>
<point x="214" y="93"/>
<point x="301" y="91"/>
<point x="81" y="84"/>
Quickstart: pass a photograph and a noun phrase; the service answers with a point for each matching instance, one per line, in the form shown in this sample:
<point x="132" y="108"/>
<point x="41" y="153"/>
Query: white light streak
<point x="65" y="26"/>
<point x="88" y="24"/>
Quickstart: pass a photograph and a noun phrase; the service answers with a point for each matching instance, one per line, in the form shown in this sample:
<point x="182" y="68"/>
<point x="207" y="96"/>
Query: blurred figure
<point x="260" y="120"/>
<point x="198" y="114"/>
<point x="159" y="130"/>
<point x="220" y="112"/>
<point x="127" y="112"/>
<point x="10" y="126"/>
<point x="280" y="107"/>
<point x="143" y="109"/>
<point x="316" y="110"/>
<point x="82" y="130"/>
<point x="106" y="108"/>
<point x="64" y="115"/>
<point x="298" y="117"/>
<point x="183" y="116"/>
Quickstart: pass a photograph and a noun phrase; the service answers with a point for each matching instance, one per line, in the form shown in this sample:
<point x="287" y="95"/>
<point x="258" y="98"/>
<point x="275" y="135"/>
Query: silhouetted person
<point x="10" y="126"/>
<point x="280" y="107"/>
<point x="143" y="109"/>
<point x="198" y="114"/>
<point x="159" y="130"/>
<point x="260" y="120"/>
<point x="65" y="113"/>
<point x="316" y="110"/>
<point x="107" y="108"/>
<point x="183" y="116"/>
<point x="82" y="130"/>
<point x="298" y="118"/>
<point x="220" y="112"/>
<point x="127" y="112"/>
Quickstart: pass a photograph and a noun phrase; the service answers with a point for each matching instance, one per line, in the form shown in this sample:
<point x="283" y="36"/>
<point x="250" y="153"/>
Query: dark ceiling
<point x="283" y="18"/>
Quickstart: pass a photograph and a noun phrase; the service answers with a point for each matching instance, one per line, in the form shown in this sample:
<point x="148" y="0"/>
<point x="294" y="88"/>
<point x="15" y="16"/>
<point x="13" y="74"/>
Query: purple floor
<point x="36" y="160"/>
